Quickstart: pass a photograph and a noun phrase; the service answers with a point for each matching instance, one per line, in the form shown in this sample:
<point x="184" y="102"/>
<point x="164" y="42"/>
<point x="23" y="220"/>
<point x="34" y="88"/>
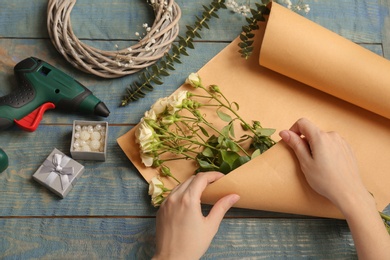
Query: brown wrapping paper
<point x="306" y="71"/>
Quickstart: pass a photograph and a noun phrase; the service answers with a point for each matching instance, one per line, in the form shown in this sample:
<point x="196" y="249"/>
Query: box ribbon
<point x="56" y="167"/>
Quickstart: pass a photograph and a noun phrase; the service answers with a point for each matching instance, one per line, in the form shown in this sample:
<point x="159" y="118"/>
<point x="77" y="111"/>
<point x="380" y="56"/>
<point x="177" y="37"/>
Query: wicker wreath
<point x="118" y="63"/>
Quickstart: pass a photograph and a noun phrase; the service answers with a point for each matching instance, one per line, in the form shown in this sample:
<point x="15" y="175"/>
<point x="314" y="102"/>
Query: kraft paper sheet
<point x="298" y="69"/>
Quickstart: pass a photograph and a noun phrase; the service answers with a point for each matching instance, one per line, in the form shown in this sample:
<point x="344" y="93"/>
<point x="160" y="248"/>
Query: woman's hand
<point x="331" y="169"/>
<point x="182" y="230"/>
<point x="327" y="161"/>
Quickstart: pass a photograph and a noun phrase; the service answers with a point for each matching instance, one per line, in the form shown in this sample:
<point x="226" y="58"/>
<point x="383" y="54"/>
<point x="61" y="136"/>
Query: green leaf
<point x="236" y="105"/>
<point x="197" y="34"/>
<point x="240" y="161"/>
<point x="163" y="72"/>
<point x="242" y="45"/>
<point x="204" y="132"/>
<point x="228" y="156"/>
<point x="155" y="80"/>
<point x="205" y="166"/>
<point x="190" y="45"/>
<point x="243" y="37"/>
<point x="255" y="153"/>
<point x="254" y="26"/>
<point x="184" y="52"/>
<point x="223" y="116"/>
<point x="206" y="15"/>
<point x="208" y="152"/>
<point x="225" y="168"/>
<point x="246" y="29"/>
<point x="215" y="15"/>
<point x="232" y="145"/>
<point x="265" y="131"/>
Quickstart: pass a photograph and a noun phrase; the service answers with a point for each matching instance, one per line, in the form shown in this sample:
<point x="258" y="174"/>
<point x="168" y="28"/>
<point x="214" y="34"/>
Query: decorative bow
<point x="56" y="167"/>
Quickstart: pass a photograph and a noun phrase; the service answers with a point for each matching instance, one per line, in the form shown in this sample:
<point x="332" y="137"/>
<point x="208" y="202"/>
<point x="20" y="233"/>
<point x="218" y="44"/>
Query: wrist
<point x="351" y="204"/>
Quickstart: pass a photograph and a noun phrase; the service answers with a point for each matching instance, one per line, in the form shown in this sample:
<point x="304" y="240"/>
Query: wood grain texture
<point x="107" y="215"/>
<point x="133" y="238"/>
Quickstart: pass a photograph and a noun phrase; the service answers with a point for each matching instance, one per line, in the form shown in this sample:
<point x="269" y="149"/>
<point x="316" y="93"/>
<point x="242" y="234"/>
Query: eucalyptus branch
<point x="247" y="34"/>
<point x="154" y="74"/>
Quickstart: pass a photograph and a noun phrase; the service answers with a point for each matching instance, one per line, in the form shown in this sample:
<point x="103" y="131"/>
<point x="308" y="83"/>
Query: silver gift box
<point x="58" y="173"/>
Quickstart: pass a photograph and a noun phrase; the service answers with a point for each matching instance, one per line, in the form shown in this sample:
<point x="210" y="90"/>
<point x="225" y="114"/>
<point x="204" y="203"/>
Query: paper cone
<point x="325" y="84"/>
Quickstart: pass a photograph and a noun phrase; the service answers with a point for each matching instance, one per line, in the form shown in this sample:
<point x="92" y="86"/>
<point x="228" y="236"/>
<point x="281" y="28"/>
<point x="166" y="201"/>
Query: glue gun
<point x="42" y="87"/>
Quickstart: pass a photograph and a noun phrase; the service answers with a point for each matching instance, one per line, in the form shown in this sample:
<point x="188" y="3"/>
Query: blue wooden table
<point x="108" y="214"/>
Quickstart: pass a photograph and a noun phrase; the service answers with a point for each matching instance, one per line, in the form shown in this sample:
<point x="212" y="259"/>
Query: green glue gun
<point x="42" y="87"/>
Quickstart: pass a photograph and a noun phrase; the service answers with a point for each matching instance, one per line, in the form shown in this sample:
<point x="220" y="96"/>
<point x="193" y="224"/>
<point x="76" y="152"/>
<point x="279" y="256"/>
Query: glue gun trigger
<point x="31" y="122"/>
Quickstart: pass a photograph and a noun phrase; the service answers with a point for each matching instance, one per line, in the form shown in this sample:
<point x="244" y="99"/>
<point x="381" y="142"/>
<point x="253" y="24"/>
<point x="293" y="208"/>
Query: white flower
<point x="147" y="160"/>
<point x="160" y="106"/>
<point x="175" y="101"/>
<point x="155" y="187"/>
<point x="151" y="115"/>
<point x="144" y="133"/>
<point x="193" y="79"/>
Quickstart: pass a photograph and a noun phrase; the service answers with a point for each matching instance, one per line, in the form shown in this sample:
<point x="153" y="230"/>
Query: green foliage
<point x="247" y="34"/>
<point x="153" y="75"/>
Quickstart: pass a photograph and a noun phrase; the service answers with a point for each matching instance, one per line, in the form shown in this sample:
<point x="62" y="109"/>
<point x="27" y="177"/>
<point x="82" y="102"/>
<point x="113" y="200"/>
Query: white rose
<point x="147" y="160"/>
<point x="144" y="133"/>
<point x="155" y="187"/>
<point x="150" y="115"/>
<point x="176" y="100"/>
<point x="160" y="106"/>
<point x="193" y="79"/>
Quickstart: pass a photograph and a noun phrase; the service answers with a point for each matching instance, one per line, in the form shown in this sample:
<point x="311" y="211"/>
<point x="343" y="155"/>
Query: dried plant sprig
<point x="247" y="34"/>
<point x="153" y="74"/>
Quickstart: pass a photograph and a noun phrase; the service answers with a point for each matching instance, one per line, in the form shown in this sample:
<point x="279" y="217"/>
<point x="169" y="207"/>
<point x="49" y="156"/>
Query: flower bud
<point x="194" y="80"/>
<point x="215" y="88"/>
<point x="165" y="171"/>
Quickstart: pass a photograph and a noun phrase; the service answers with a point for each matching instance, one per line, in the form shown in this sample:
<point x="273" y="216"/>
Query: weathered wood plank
<point x="133" y="238"/>
<point x="357" y="20"/>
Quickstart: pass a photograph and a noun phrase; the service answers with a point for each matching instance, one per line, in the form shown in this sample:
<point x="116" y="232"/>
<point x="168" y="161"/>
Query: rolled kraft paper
<point x="273" y="181"/>
<point x="291" y="46"/>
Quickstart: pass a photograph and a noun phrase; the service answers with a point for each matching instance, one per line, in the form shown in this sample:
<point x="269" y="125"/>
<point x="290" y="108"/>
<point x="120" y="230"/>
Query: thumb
<point x="221" y="207"/>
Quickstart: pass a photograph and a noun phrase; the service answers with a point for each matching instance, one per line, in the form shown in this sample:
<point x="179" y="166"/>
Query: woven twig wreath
<point x="118" y="63"/>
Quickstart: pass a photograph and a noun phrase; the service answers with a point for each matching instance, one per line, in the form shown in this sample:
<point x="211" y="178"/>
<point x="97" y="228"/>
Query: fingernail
<point x="285" y="135"/>
<point x="234" y="198"/>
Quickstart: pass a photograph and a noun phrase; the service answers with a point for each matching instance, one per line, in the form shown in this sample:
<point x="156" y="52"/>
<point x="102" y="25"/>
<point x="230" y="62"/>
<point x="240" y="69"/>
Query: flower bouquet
<point x="176" y="129"/>
<point x="279" y="83"/>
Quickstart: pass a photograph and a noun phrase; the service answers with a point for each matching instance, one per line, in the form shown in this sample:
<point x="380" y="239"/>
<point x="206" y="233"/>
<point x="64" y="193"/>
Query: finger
<point x="298" y="144"/>
<point x="305" y="127"/>
<point x="200" y="182"/>
<point x="220" y="208"/>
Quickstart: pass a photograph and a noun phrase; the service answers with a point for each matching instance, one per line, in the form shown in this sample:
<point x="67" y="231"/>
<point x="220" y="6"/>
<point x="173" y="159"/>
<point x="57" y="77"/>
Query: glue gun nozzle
<point x="102" y="110"/>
